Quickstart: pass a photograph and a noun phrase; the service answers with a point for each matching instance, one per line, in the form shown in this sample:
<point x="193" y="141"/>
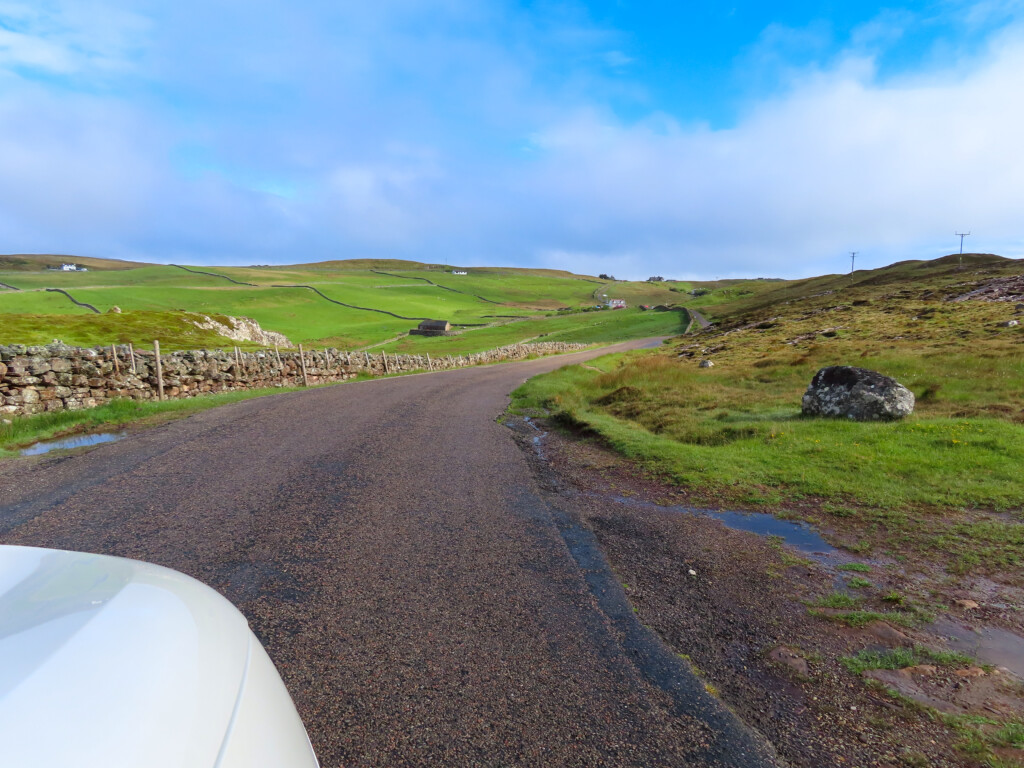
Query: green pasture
<point x="601" y="327"/>
<point x="174" y="330"/>
<point x="305" y="317"/>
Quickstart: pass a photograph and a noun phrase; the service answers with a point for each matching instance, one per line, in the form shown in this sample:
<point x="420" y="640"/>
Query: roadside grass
<point x="861" y="618"/>
<point x="24" y="430"/>
<point x="860" y="567"/>
<point x="900" y="658"/>
<point x="944" y="482"/>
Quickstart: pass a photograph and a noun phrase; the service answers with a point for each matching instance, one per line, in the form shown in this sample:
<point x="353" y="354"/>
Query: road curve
<point x="393" y="550"/>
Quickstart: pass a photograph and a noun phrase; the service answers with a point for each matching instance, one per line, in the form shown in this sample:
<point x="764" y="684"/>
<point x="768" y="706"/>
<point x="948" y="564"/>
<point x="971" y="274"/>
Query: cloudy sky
<point x="724" y="139"/>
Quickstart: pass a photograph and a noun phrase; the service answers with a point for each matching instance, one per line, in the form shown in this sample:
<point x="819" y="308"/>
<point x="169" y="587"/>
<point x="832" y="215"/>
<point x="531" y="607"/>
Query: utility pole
<point x="853" y="258"/>
<point x="961" y="235"/>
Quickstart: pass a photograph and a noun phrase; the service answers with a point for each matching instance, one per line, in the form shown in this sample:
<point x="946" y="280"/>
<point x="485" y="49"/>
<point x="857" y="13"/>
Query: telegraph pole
<point x="961" y="235"/>
<point x="853" y="259"/>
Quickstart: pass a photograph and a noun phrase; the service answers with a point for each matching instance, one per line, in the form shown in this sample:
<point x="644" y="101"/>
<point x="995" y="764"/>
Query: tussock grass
<point x="735" y="431"/>
<point x="900" y="658"/>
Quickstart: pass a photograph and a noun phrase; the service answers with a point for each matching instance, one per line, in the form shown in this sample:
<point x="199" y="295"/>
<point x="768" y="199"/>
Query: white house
<point x="459" y="272"/>
<point x="72" y="268"/>
<point x="617" y="303"/>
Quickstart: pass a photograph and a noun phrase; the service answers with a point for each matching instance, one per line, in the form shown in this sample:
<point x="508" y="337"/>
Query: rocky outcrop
<point x="856" y="393"/>
<point x="998" y="289"/>
<point x="56" y="377"/>
<point x="243" y="329"/>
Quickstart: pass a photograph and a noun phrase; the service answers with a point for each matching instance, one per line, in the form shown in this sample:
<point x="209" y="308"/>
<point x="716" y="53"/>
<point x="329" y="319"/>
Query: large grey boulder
<point x="858" y="394"/>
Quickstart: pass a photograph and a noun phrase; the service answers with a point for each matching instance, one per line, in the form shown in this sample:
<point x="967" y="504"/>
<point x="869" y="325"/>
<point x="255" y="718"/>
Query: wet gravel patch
<point x="737" y="607"/>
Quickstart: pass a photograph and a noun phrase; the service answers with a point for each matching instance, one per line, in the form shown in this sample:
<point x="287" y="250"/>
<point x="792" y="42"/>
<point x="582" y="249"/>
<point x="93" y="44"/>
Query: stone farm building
<point x="433" y="328"/>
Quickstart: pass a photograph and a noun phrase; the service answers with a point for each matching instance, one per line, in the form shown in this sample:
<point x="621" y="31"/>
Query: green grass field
<point x="734" y="433"/>
<point x="493" y="306"/>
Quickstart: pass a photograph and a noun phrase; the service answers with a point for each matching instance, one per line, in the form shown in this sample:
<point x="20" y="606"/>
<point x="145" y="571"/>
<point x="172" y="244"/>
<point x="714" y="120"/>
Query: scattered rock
<point x="997" y="289"/>
<point x="244" y="329"/>
<point x="1009" y="324"/>
<point x="970" y="672"/>
<point x="790" y="658"/>
<point x="858" y="394"/>
<point x="706" y="364"/>
<point x="921" y="670"/>
<point x="887" y="633"/>
<point x="967" y="605"/>
<point x="114" y="310"/>
<point x="896" y="678"/>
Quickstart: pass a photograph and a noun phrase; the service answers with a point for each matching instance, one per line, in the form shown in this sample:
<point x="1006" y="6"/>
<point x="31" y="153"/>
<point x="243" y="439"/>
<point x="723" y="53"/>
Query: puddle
<point x="538" y="445"/>
<point x="989" y="645"/>
<point x="65" y="443"/>
<point x="797" y="534"/>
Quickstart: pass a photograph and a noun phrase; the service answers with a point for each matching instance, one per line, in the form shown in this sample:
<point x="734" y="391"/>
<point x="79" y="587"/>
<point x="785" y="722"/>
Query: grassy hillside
<point x="31" y="262"/>
<point x="175" y="330"/>
<point x="491" y="306"/>
<point x="734" y="433"/>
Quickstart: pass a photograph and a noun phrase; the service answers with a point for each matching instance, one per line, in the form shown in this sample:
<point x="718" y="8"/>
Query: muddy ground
<point x="744" y="610"/>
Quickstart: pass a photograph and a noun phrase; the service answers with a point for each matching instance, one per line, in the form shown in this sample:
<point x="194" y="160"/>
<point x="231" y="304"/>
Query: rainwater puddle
<point x="797" y="534"/>
<point x="989" y="645"/>
<point x="537" y="440"/>
<point x="78" y="441"/>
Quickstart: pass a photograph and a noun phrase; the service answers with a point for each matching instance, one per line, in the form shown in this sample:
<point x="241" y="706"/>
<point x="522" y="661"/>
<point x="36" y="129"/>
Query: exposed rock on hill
<point x="999" y="289"/>
<point x="858" y="394"/>
<point x="244" y="329"/>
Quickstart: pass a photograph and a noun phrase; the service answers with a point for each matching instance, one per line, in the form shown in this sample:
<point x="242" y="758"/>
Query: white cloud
<point x="838" y="163"/>
<point x="69" y="37"/>
<point x="393" y="131"/>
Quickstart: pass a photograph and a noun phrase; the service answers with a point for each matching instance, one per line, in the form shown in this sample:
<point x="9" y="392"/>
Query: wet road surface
<point x="392" y="549"/>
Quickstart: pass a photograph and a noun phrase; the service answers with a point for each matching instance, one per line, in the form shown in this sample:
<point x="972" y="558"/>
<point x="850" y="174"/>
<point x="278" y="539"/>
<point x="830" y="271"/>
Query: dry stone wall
<point x="57" y="377"/>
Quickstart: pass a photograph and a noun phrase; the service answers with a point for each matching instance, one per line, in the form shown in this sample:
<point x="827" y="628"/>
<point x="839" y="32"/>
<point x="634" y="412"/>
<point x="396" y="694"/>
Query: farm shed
<point x="432" y="328"/>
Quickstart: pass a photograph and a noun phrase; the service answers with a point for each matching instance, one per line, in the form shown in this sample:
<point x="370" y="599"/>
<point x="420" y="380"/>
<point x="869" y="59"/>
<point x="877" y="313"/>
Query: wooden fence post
<point x="131" y="354"/>
<point x="384" y="357"/>
<point x="367" y="356"/>
<point x="277" y="353"/>
<point x="113" y="354"/>
<point x="302" y="359"/>
<point x="159" y="371"/>
<point x="430" y="366"/>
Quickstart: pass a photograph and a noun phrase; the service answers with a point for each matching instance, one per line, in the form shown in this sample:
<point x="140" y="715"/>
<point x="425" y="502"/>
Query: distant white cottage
<point x="70" y="268"/>
<point x="617" y="303"/>
<point x="459" y="272"/>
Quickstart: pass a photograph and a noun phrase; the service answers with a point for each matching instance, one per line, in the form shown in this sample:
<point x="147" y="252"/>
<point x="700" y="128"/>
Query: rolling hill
<point x="345" y="304"/>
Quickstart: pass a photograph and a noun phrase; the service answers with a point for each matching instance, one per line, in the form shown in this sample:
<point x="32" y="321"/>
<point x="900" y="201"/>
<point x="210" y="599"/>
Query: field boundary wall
<point x="55" y="377"/>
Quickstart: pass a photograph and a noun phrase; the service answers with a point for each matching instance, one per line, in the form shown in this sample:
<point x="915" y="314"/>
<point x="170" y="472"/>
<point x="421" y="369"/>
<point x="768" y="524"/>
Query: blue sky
<point x="686" y="140"/>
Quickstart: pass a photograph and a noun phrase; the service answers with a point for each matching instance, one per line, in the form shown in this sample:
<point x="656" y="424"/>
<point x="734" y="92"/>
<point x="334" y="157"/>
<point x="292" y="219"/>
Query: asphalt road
<point x="391" y="546"/>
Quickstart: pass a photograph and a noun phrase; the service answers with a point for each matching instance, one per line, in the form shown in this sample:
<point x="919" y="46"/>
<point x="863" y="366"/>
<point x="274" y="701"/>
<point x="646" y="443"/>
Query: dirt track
<point x="390" y="546"/>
